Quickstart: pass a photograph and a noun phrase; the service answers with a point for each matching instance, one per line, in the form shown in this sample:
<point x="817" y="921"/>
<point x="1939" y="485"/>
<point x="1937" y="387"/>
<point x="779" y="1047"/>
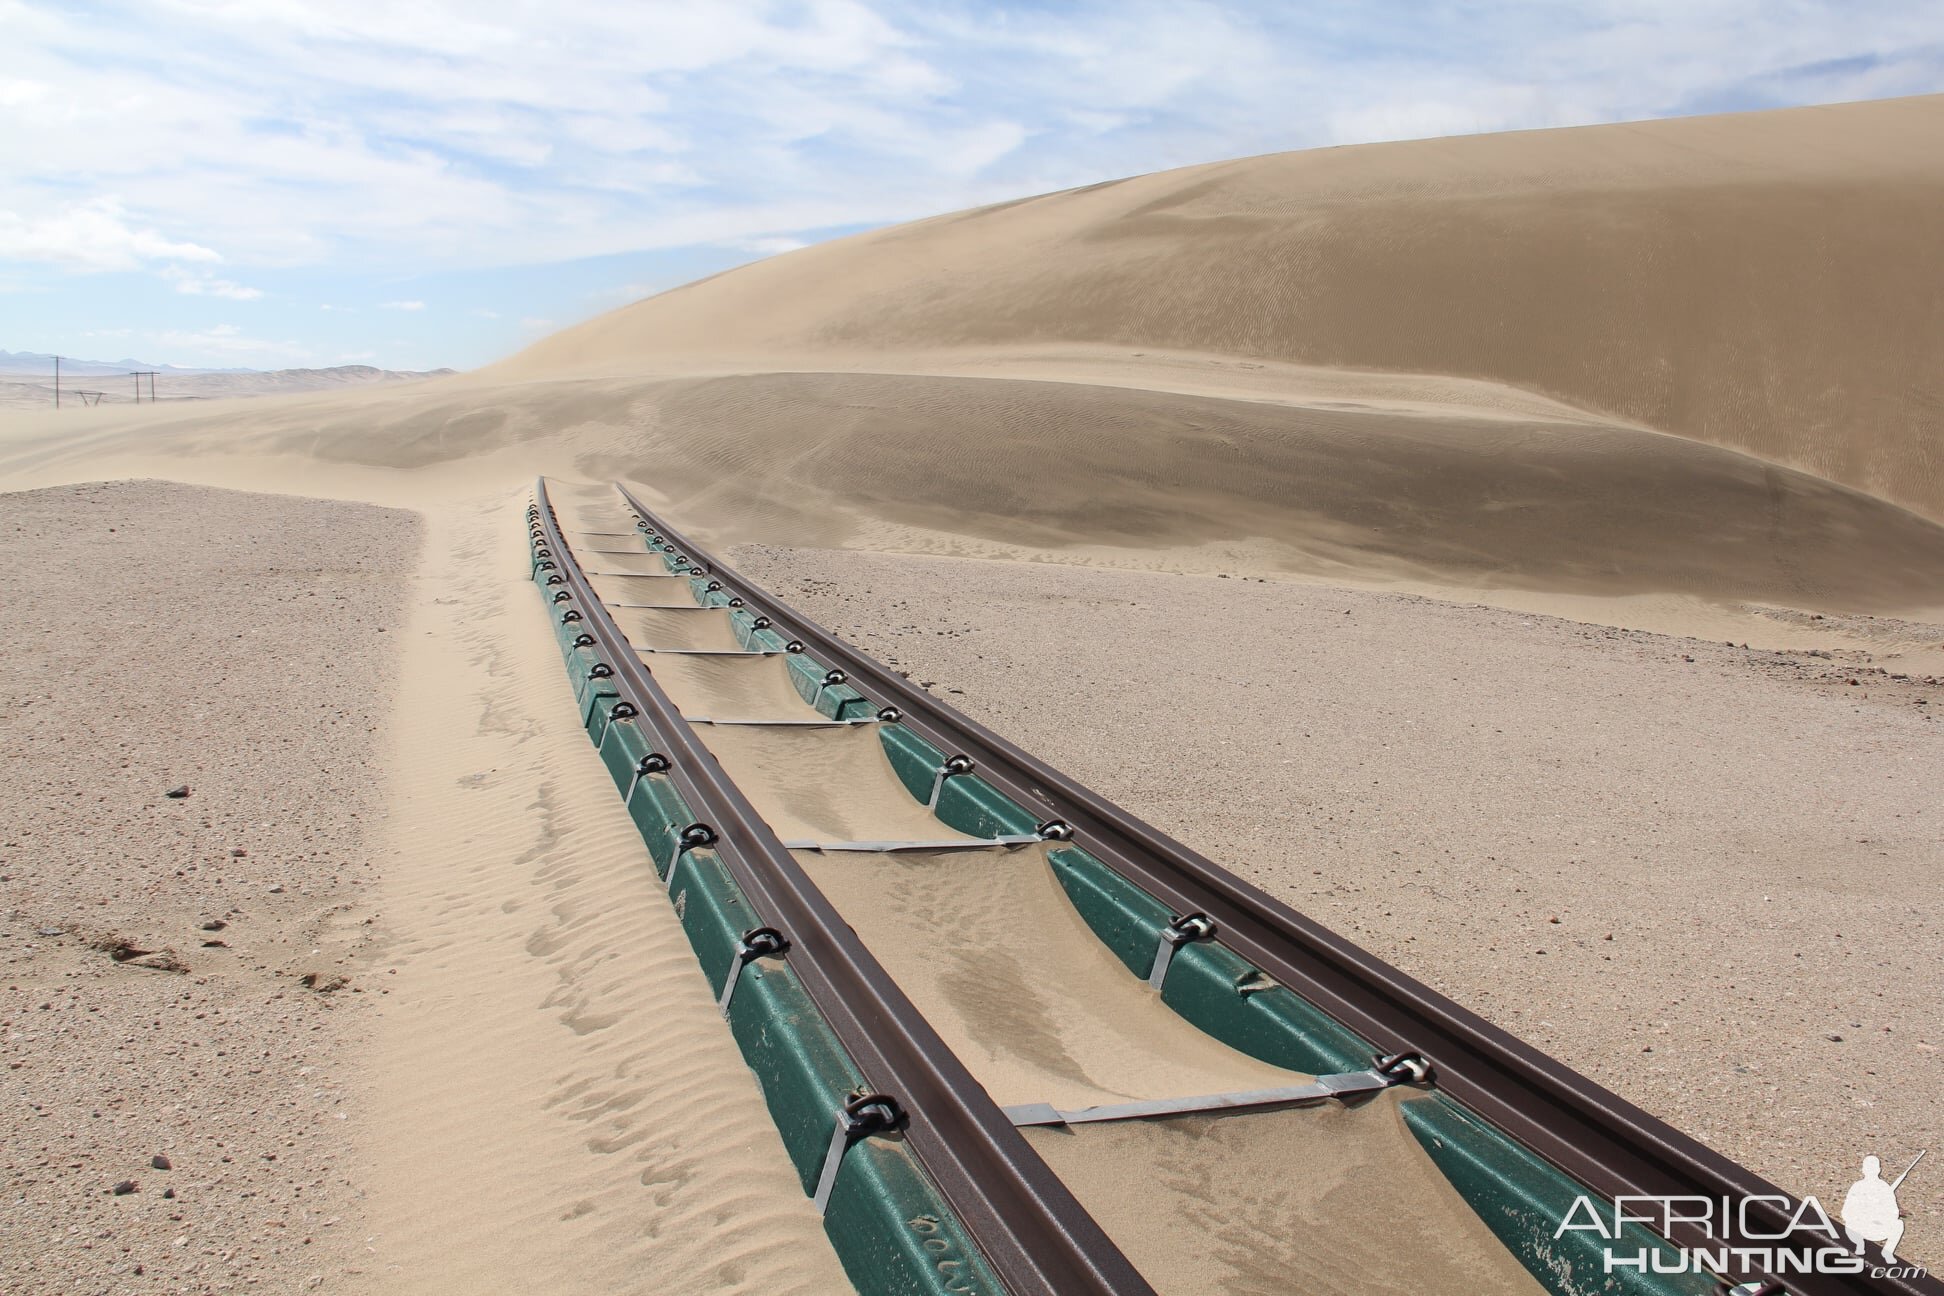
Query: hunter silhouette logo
<point x="1870" y="1211"/>
<point x="1810" y="1241"/>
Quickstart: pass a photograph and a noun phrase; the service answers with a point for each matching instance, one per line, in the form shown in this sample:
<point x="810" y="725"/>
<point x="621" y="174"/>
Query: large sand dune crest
<point x="1689" y="358"/>
<point x="1766" y="281"/>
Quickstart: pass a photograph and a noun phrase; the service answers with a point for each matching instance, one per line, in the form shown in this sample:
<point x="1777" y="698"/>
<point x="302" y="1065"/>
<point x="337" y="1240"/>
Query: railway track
<point x="1016" y="1040"/>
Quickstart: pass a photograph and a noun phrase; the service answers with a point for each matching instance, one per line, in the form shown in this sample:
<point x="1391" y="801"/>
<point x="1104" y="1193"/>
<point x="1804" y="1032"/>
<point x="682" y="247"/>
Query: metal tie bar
<point x="1347" y="1084"/>
<point x="661" y="607"/>
<point x="710" y="652"/>
<point x="805" y="724"/>
<point x="976" y="843"/>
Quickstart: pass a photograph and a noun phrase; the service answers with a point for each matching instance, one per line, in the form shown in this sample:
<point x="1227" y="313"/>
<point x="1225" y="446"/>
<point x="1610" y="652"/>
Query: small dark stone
<point x="215" y="944"/>
<point x="237" y="852"/>
<point x="1834" y="1039"/>
<point x="169" y="1193"/>
<point x="50" y="931"/>
<point x="214" y="924"/>
<point x="160" y="1162"/>
<point x="124" y="1188"/>
<point x="178" y="792"/>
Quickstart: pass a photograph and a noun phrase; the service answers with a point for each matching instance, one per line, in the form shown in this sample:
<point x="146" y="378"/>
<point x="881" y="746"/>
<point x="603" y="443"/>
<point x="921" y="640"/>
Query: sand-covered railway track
<point x="1015" y="1039"/>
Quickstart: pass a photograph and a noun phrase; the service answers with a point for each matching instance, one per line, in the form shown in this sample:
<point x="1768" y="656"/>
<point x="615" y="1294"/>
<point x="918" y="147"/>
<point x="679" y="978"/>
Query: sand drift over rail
<point x="1763" y="281"/>
<point x="1687" y="360"/>
<point x="1354" y="481"/>
<point x="1028" y="950"/>
<point x="1355" y="491"/>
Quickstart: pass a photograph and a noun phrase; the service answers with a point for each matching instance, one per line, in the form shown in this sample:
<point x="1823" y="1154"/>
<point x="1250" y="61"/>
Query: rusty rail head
<point x="1594" y="1135"/>
<point x="1036" y="1236"/>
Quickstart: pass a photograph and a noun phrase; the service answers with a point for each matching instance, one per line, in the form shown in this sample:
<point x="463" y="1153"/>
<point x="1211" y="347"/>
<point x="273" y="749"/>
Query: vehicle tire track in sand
<point x="560" y="1106"/>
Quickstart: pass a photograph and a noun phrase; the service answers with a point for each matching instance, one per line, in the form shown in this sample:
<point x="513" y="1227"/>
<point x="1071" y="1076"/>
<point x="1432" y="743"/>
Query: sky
<point x="275" y="183"/>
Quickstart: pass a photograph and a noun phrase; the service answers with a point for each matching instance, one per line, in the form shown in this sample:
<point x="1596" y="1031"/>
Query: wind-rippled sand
<point x="557" y="1105"/>
<point x="1677" y="377"/>
<point x="1705" y="876"/>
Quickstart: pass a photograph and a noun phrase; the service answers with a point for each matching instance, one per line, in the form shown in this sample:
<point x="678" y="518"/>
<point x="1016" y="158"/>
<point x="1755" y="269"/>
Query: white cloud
<point x="535" y="322"/>
<point x="402" y="305"/>
<point x="93" y="235"/>
<point x="227" y="344"/>
<point x="200" y="286"/>
<point x="381" y="139"/>
<point x="482" y="313"/>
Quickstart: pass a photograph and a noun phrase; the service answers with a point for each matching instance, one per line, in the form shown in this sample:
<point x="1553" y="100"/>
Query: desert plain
<point x="1546" y="531"/>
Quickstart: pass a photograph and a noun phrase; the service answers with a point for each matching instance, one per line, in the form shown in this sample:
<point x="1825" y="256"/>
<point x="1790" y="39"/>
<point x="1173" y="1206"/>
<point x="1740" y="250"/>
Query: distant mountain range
<point x="38" y="363"/>
<point x="27" y="380"/>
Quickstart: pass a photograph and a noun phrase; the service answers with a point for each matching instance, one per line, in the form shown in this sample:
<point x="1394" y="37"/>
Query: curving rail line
<point x="1024" y="1220"/>
<point x="1512" y="1127"/>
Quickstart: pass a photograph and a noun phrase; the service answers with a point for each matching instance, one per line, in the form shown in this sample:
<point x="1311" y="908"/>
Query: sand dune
<point x="1686" y="360"/>
<point x="1763" y="281"/>
<point x="1653" y="375"/>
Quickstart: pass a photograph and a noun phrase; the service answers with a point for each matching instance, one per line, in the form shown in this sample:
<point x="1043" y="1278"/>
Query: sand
<point x="740" y="688"/>
<point x="189" y="978"/>
<point x="987" y="945"/>
<point x="1739" y="847"/>
<point x="824" y="785"/>
<point x="1675" y="377"/>
<point x="677" y="630"/>
<point x="622" y="563"/>
<point x="556" y="1103"/>
<point x="1331" y="1199"/>
<point x="1660" y="374"/>
<point x="1760" y="281"/>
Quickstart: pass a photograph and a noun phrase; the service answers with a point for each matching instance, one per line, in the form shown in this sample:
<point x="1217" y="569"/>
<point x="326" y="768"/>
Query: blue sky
<point x="266" y="183"/>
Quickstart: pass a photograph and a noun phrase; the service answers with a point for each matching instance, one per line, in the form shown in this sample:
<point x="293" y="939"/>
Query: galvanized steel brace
<point x="684" y="840"/>
<point x="862" y="1115"/>
<point x="755" y="943"/>
<point x="1189" y="927"/>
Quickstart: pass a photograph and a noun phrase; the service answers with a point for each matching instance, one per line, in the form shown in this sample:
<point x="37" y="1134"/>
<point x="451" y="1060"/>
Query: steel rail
<point x="1030" y="1228"/>
<point x="1594" y="1135"/>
